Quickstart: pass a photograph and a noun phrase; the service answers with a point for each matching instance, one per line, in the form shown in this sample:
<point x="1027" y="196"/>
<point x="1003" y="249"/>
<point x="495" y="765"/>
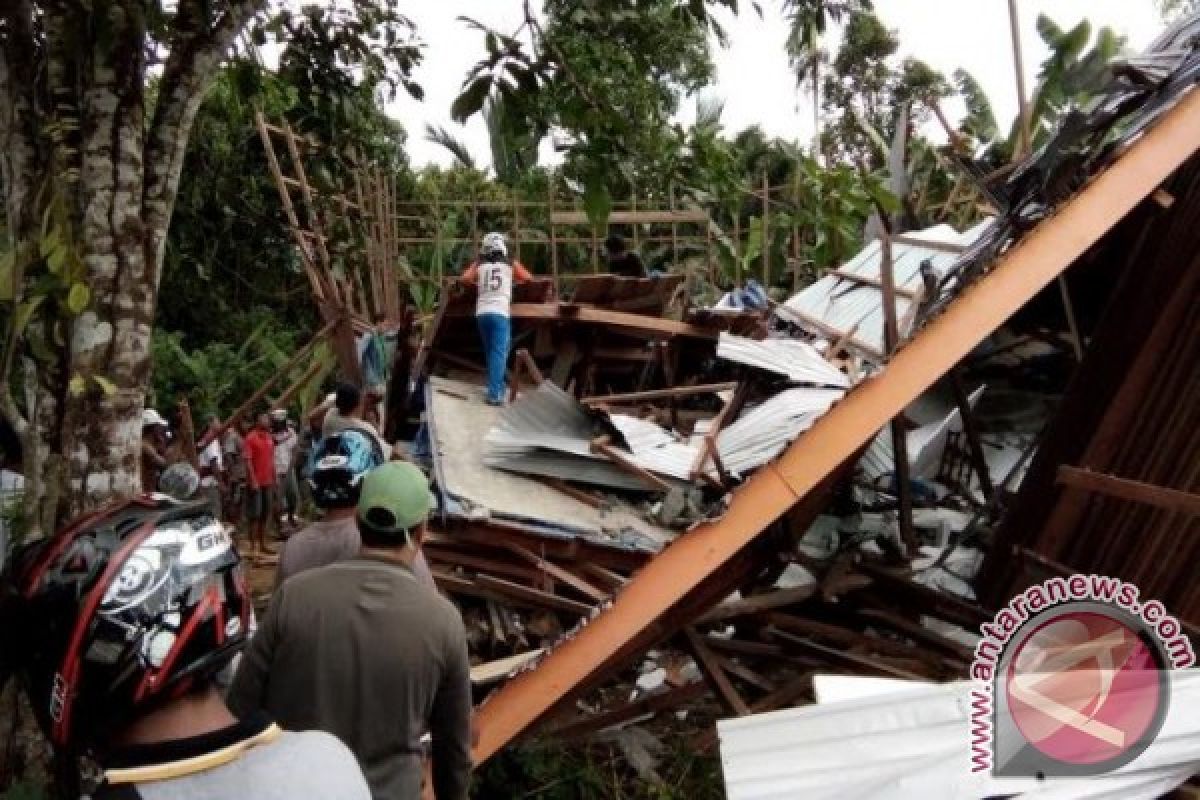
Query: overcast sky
<point x="753" y="79"/>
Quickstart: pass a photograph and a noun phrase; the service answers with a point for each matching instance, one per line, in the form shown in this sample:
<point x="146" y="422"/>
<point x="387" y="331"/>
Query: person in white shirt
<point x="212" y="467"/>
<point x="286" y="440"/>
<point x="493" y="276"/>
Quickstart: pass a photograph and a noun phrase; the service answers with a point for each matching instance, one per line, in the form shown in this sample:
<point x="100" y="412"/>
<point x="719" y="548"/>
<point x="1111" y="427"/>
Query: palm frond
<point x="441" y="136"/>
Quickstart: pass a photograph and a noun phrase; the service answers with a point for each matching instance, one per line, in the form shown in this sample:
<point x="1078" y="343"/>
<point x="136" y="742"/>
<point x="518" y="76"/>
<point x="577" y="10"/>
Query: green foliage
<point x="865" y="91"/>
<point x="606" y="76"/>
<point x="218" y="375"/>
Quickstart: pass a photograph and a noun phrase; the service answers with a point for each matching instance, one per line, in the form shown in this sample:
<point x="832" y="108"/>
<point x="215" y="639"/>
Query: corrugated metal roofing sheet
<point x="795" y="360"/>
<point x="912" y="742"/>
<point x="839" y="303"/>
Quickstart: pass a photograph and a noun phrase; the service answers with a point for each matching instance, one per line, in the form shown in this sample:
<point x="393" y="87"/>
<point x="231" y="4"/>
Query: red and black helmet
<point x="121" y="610"/>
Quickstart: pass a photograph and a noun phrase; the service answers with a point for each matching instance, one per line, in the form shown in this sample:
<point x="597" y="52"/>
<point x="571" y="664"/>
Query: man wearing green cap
<point x="363" y="650"/>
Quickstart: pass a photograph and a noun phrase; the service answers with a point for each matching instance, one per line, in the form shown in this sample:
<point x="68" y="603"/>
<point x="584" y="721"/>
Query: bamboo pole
<point x="314" y="369"/>
<point x="281" y="373"/>
<point x="891" y="335"/>
<point x="553" y="234"/>
<point x="1019" y="64"/>
<point x="737" y="247"/>
<point x="766" y="232"/>
<point x="289" y="208"/>
<point x="306" y="193"/>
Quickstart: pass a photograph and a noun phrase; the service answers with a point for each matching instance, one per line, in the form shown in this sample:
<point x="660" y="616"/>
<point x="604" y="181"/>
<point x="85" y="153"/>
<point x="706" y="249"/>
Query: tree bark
<point x="81" y="415"/>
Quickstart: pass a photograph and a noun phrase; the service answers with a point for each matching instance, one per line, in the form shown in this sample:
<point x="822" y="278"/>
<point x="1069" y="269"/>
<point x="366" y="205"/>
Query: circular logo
<point x="1087" y="687"/>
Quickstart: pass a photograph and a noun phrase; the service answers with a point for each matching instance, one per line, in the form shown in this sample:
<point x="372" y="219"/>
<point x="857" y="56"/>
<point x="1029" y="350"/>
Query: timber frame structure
<point x="628" y="601"/>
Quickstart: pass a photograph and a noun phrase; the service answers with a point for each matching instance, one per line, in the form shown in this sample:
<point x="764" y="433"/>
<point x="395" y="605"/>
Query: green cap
<point x="395" y="498"/>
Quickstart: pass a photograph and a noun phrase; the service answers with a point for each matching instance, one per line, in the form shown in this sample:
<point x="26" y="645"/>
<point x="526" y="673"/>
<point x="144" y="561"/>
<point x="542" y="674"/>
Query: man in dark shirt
<point x="620" y="260"/>
<point x="361" y="649"/>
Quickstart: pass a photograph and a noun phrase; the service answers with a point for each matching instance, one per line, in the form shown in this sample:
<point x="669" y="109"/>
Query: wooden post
<point x="314" y="277"/>
<point x="891" y="335"/>
<point x="637" y="235"/>
<point x="1026" y="141"/>
<point x="281" y="373"/>
<point x="766" y="231"/>
<point x="437" y="239"/>
<point x="474" y="226"/>
<point x="737" y="247"/>
<point x="1072" y="325"/>
<point x="305" y="378"/>
<point x="972" y="434"/>
<point x="516" y="225"/>
<point x="674" y="225"/>
<point x="553" y="234"/>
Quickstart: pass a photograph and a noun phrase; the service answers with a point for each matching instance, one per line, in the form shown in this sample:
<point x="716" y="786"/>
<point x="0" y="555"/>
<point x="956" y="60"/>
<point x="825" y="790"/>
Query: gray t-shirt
<point x="312" y="765"/>
<point x="329" y="541"/>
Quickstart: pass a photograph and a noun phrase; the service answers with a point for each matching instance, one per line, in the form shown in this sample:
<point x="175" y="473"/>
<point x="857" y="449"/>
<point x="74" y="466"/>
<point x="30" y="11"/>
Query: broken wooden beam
<point x="614" y="455"/>
<point x="666" y="701"/>
<point x="715" y="674"/>
<point x="1086" y="480"/>
<point x="757" y="604"/>
<point x="558" y="573"/>
<point x="658" y="394"/>
<point x="529" y="597"/>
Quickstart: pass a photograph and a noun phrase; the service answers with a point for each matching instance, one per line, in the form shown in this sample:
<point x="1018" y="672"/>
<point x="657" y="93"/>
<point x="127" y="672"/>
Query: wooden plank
<point x="615" y="321"/>
<point x="971" y="431"/>
<point x="745" y="673"/>
<point x="913" y="241"/>
<point x="534" y="598"/>
<point x="441" y="555"/>
<point x="847" y="659"/>
<point x="605" y="576"/>
<point x="630" y="217"/>
<point x="919" y="633"/>
<point x="745" y="648"/>
<point x="1124" y="489"/>
<point x="585" y="497"/>
<point x="715" y="674"/>
<point x="659" y="394"/>
<point x="866" y="280"/>
<point x="648" y="705"/>
<point x="891" y="340"/>
<point x="493" y="671"/>
<point x="621" y="460"/>
<point x="558" y="573"/>
<point x="757" y="604"/>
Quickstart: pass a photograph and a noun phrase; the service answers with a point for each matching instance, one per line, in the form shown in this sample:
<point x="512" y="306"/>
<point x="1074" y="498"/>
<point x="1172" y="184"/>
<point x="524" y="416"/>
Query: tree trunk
<point x="81" y="158"/>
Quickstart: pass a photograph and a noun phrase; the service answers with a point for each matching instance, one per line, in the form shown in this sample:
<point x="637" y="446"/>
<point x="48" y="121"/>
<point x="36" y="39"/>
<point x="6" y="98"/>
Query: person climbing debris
<point x="493" y="276"/>
<point x="116" y="630"/>
<point x="362" y="649"/>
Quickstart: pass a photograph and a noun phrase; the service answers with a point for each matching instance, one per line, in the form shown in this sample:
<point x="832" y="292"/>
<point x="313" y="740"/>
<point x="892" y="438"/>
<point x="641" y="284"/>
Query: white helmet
<point x="493" y="245"/>
<point x="152" y="419"/>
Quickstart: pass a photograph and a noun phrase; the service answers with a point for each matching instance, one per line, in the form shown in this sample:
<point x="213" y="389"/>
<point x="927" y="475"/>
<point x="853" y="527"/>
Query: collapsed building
<point x="711" y="507"/>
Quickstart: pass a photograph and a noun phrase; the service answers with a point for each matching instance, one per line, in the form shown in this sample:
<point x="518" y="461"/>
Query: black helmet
<point x="339" y="465"/>
<point x="121" y="611"/>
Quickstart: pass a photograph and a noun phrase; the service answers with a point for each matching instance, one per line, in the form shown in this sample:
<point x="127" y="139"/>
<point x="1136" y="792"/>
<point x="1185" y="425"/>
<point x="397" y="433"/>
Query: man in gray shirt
<point x="363" y="650"/>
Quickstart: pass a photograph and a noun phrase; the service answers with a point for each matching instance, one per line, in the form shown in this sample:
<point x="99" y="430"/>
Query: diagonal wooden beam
<point x="714" y="673"/>
<point x="1017" y="276"/>
<point x="1125" y="489"/>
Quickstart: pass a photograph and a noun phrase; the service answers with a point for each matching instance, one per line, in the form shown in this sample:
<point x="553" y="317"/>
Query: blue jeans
<point x="495" y="330"/>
